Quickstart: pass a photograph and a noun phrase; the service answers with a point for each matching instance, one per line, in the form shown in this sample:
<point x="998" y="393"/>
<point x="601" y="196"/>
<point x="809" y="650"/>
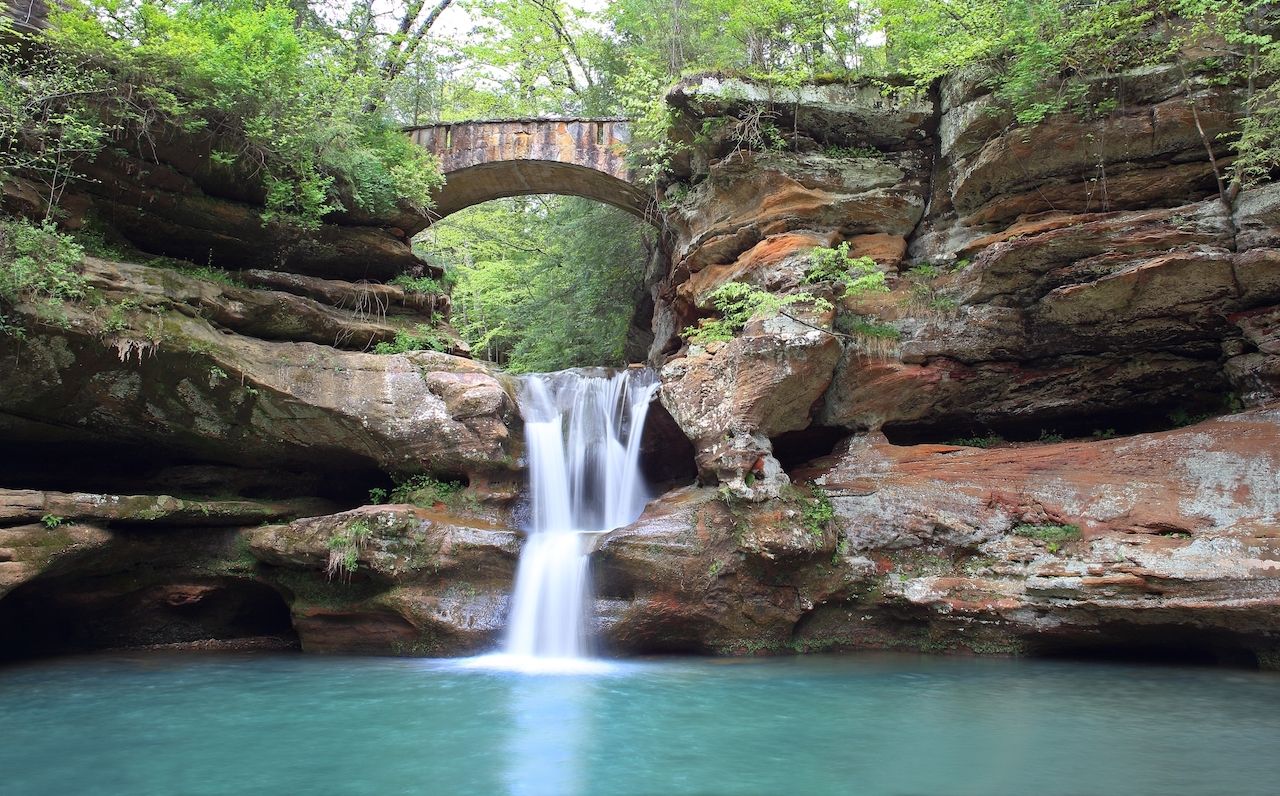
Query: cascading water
<point x="582" y="430"/>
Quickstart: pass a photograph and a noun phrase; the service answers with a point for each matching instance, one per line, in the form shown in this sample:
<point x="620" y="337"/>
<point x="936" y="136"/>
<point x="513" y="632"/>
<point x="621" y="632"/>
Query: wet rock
<point x="392" y="579"/>
<point x="19" y="505"/>
<point x="395" y="544"/>
<point x="697" y="572"/>
<point x="730" y="401"/>
<point x="31" y="550"/>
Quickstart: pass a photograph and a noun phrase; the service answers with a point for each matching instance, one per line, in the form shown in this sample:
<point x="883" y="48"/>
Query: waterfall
<point x="582" y="431"/>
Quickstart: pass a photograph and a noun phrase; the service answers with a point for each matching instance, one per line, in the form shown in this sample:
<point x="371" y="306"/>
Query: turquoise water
<point x="865" y="725"/>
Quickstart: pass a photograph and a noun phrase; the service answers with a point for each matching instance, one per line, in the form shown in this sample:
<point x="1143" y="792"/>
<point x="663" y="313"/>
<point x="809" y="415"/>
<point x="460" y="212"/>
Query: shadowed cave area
<point x="57" y="616"/>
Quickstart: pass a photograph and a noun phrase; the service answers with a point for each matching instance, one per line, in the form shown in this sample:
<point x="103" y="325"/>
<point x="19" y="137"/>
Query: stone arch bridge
<point x="486" y="160"/>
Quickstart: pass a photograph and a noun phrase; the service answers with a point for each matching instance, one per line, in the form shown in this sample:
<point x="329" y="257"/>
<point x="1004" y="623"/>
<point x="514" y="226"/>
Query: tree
<point x="543" y="282"/>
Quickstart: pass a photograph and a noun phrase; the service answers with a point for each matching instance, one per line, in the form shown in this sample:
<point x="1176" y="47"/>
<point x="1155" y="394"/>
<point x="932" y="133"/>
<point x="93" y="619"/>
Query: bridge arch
<point x="495" y="159"/>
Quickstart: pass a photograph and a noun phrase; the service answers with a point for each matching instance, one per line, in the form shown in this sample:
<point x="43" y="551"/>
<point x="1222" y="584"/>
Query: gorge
<point x="167" y="421"/>
<point x="952" y="378"/>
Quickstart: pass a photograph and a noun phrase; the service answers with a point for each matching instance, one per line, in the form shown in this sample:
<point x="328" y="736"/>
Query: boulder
<point x="392" y="579"/>
<point x="699" y="571"/>
<point x="31" y="505"/>
<point x="731" y="398"/>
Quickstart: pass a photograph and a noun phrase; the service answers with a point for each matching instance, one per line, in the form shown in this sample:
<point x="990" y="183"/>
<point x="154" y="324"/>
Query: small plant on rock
<point x="816" y="510"/>
<point x="988" y="441"/>
<point x="855" y="275"/>
<point x="738" y="303"/>
<point x="38" y="262"/>
<point x="1049" y="533"/>
<point x="870" y="336"/>
<point x="344" y="550"/>
<point x="417" y="284"/>
<point x="422" y="338"/>
<point x="424" y="491"/>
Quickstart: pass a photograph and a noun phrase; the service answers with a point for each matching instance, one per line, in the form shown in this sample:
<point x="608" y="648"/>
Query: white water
<point x="582" y="431"/>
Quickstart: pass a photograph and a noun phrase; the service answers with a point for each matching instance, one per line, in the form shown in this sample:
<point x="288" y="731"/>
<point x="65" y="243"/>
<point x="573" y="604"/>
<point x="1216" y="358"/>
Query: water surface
<point x="866" y="725"/>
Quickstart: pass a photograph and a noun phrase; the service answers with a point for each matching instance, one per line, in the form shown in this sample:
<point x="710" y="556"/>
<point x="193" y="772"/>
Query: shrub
<point x="817" y="512"/>
<point x="425" y="491"/>
<point x="38" y="262"/>
<point x="289" y="106"/>
<point x="422" y="338"/>
<point x="854" y="274"/>
<point x="417" y="284"/>
<point x="344" y="549"/>
<point x="738" y="303"/>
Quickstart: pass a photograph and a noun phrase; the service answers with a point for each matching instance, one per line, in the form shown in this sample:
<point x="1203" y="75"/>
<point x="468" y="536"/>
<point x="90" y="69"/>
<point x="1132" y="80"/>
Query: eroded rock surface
<point x="182" y="364"/>
<point x="1151" y="540"/>
<point x="1079" y="274"/>
<point x="392" y="579"/>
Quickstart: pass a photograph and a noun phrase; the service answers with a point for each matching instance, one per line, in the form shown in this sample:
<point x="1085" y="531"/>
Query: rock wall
<point x="187" y="461"/>
<point x="1079" y="274"/>
<point x="1081" y="278"/>
<point x="1163" y="542"/>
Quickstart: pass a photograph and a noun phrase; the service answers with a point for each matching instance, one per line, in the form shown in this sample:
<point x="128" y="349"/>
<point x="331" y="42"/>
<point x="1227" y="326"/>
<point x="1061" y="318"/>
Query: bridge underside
<point x="475" y="184"/>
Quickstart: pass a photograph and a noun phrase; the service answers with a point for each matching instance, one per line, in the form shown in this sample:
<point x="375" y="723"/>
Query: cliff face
<point x="1076" y="275"/>
<point x="1082" y="278"/>
<point x="186" y="459"/>
<point x="1156" y="542"/>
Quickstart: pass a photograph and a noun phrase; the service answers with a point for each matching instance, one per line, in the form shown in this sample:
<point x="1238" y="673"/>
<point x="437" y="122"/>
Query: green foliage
<point x="816" y="512"/>
<point x="842" y="550"/>
<point x="989" y="441"/>
<point x="923" y="272"/>
<point x="1049" y="437"/>
<point x="287" y="107"/>
<point x="1104" y="433"/>
<point x="944" y="305"/>
<point x="344" y="549"/>
<point x="1042" y="57"/>
<point x="38" y="263"/>
<point x="1251" y="31"/>
<point x="1028" y="48"/>
<point x="48" y="119"/>
<point x="206" y="272"/>
<point x="543" y="283"/>
<point x="1050" y="533"/>
<point x="786" y="39"/>
<point x="377" y="496"/>
<point x="421" y="338"/>
<point x="738" y="303"/>
<point x="424" y="285"/>
<point x="868" y="335"/>
<point x="856" y="275"/>
<point x="864" y="327"/>
<point x="425" y="491"/>
<point x="52" y="521"/>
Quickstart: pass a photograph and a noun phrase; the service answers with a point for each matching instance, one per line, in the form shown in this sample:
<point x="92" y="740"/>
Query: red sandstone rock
<point x="938" y="550"/>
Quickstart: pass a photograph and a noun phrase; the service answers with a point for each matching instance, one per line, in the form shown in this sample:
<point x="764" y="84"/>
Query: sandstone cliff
<point x="187" y="459"/>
